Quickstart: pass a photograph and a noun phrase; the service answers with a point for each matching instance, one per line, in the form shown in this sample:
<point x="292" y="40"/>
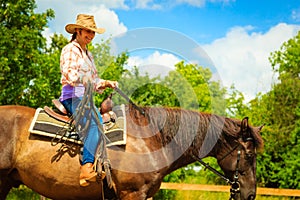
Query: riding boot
<point x="87" y="174"/>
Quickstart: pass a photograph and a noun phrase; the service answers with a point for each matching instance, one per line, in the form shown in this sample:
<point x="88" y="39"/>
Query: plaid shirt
<point x="75" y="64"/>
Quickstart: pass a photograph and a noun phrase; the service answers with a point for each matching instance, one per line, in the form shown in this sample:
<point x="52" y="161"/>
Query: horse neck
<point x="186" y="132"/>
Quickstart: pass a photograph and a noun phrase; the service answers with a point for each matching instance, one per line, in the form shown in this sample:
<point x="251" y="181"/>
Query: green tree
<point x="235" y="106"/>
<point x="21" y="47"/>
<point x="142" y="89"/>
<point x="189" y="86"/>
<point x="46" y="86"/>
<point x="279" y="110"/>
<point x="195" y="89"/>
<point x="109" y="68"/>
<point x="285" y="118"/>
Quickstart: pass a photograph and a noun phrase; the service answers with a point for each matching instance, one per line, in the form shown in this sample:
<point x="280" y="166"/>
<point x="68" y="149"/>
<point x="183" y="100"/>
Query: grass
<point x="197" y="195"/>
<point x="25" y="193"/>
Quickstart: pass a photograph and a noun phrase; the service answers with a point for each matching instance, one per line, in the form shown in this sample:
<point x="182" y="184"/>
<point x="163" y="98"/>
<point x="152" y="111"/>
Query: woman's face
<point x="85" y="36"/>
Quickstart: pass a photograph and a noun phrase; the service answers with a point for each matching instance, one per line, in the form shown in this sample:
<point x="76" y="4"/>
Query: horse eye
<point x="248" y="156"/>
<point x="242" y="173"/>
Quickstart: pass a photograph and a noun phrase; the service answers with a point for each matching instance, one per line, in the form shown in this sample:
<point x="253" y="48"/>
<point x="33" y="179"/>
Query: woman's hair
<point x="73" y="36"/>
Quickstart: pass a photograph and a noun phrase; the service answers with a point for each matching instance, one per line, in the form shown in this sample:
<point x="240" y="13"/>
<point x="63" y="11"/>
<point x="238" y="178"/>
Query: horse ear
<point x="261" y="127"/>
<point x="244" y="124"/>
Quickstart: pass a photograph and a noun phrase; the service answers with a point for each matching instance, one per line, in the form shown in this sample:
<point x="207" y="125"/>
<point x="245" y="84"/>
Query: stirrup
<point x="86" y="181"/>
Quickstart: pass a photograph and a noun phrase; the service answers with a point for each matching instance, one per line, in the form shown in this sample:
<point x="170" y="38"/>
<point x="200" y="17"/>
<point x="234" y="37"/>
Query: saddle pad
<point x="45" y="125"/>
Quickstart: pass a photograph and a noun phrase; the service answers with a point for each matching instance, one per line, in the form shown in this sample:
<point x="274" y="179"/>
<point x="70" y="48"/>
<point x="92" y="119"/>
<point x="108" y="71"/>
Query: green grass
<point x="202" y="195"/>
<point x="24" y="193"/>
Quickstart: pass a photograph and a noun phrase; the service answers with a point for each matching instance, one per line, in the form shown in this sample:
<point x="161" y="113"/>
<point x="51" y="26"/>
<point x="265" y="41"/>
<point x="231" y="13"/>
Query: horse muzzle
<point x="239" y="196"/>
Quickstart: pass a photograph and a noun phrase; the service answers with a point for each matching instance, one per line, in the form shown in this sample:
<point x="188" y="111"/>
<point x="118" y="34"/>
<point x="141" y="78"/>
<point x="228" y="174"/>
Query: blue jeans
<point x="93" y="134"/>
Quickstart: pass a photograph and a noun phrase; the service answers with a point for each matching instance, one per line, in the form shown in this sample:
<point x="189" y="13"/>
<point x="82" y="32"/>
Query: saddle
<point x="52" y="122"/>
<point x="61" y="114"/>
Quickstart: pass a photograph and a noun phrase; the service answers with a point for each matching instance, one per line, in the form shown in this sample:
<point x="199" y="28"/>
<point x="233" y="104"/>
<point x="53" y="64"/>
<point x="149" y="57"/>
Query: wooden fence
<point x="224" y="188"/>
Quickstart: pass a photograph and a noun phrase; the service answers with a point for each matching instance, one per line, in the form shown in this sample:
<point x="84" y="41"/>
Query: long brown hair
<point x="73" y="36"/>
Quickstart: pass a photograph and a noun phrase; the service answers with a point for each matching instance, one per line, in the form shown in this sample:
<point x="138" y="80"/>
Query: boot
<point x="87" y="174"/>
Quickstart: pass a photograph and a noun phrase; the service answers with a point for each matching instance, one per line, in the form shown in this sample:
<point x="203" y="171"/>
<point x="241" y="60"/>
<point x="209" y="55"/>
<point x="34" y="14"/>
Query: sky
<point x="234" y="38"/>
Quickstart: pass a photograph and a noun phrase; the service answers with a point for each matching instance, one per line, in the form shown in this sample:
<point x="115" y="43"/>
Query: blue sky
<point x="237" y="36"/>
<point x="212" y="20"/>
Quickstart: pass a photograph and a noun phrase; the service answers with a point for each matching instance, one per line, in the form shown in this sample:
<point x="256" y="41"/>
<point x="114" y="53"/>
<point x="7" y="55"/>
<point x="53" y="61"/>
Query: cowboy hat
<point x="86" y="22"/>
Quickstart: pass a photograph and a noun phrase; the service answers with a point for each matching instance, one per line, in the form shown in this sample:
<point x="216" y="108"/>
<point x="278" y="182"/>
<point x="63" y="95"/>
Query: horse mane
<point x="194" y="125"/>
<point x="232" y="128"/>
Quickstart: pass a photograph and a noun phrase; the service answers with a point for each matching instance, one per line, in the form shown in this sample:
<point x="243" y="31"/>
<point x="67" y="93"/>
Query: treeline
<point x="30" y="75"/>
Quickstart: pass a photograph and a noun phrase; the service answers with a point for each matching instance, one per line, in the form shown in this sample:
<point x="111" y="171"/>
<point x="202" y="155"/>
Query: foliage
<point x="145" y="90"/>
<point x="22" y="192"/>
<point x="46" y="85"/>
<point x="193" y="87"/>
<point x="235" y="106"/>
<point x="278" y="165"/>
<point x="109" y="67"/>
<point x="188" y="86"/>
<point x="21" y="48"/>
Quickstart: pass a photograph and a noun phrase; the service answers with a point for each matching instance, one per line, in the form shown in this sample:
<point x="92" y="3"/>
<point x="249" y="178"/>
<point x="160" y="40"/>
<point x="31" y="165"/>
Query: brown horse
<point x="158" y="142"/>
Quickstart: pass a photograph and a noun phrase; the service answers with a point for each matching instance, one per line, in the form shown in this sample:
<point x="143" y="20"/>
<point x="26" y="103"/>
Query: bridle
<point x="235" y="184"/>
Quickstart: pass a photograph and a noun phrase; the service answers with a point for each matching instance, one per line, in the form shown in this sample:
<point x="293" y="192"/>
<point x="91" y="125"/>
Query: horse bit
<point x="235" y="184"/>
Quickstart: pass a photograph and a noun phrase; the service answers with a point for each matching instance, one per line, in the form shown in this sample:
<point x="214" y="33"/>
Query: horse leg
<point x="5" y="187"/>
<point x="8" y="180"/>
<point x="140" y="194"/>
<point x="136" y="195"/>
<point x="4" y="190"/>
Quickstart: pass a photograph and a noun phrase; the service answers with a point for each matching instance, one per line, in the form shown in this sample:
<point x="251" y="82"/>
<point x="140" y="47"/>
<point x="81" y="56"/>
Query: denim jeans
<point x="93" y="134"/>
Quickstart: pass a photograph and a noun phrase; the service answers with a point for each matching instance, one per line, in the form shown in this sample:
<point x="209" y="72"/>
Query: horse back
<point x="14" y="120"/>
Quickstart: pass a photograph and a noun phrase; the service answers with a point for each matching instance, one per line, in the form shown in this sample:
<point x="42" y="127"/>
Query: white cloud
<point x="104" y="17"/>
<point x="157" y="58"/>
<point x="296" y="15"/>
<point x="113" y="4"/>
<point x="147" y="4"/>
<point x="241" y="57"/>
<point x="48" y="34"/>
<point x="196" y="3"/>
<point x="155" y="64"/>
<point x="109" y="20"/>
<point x="201" y="3"/>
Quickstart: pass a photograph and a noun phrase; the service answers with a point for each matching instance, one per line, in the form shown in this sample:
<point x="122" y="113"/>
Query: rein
<point x="87" y="106"/>
<point x="130" y="101"/>
<point x="235" y="185"/>
<point x="207" y="166"/>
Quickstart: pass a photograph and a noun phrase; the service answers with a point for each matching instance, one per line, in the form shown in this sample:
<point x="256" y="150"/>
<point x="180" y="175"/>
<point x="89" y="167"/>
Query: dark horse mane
<point x="171" y="121"/>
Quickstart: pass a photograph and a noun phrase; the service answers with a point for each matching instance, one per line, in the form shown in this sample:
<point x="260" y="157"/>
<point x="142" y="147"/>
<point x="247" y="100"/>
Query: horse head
<point x="237" y="158"/>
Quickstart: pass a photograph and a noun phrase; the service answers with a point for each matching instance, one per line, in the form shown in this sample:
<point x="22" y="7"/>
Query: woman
<point x="78" y="69"/>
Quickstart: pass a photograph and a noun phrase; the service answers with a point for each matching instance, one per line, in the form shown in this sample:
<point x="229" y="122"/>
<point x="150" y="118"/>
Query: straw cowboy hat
<point x="86" y="22"/>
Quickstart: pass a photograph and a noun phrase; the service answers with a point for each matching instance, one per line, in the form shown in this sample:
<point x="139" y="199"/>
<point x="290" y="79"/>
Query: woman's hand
<point x="107" y="83"/>
<point x="111" y="84"/>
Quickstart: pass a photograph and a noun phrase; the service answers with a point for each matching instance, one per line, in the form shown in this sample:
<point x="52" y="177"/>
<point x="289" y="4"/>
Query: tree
<point x="109" y="67"/>
<point x="195" y="89"/>
<point x="189" y="86"/>
<point x="285" y="118"/>
<point x="143" y="89"/>
<point x="46" y="86"/>
<point x="21" y="46"/>
<point x="279" y="110"/>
